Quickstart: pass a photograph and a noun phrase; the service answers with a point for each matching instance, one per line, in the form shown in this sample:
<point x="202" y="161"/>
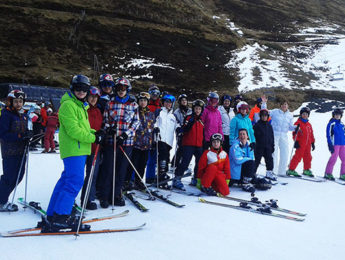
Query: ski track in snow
<point x="197" y="231"/>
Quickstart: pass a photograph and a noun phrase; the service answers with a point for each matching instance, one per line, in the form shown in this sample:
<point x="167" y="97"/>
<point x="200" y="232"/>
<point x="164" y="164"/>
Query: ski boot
<point x="329" y="176"/>
<point x="247" y="185"/>
<point x="91" y="205"/>
<point x="177" y="184"/>
<point x="119" y="201"/>
<point x="162" y="175"/>
<point x="8" y="207"/>
<point x="292" y="173"/>
<point x="342" y="177"/>
<point x="271" y="176"/>
<point x="265" y="209"/>
<point x="209" y="191"/>
<point x="193" y="182"/>
<point x="308" y="173"/>
<point x="62" y="222"/>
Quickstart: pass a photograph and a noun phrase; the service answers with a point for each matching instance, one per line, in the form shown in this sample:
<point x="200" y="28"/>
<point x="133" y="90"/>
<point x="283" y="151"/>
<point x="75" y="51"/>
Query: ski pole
<point x="26" y="175"/>
<point x="157" y="160"/>
<point x="137" y="173"/>
<point x="88" y="188"/>
<point x="114" y="170"/>
<point x="294" y="140"/>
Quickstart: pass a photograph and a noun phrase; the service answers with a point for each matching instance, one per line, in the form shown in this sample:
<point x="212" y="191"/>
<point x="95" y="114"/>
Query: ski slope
<point x="197" y="231"/>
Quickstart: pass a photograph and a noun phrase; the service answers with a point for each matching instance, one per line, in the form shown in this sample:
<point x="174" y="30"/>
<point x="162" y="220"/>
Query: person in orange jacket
<point x="214" y="169"/>
<point x="304" y="143"/>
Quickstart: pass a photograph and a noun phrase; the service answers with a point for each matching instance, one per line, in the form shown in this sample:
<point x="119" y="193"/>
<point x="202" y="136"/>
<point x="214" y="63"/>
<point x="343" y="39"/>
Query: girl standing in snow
<point x="227" y="113"/>
<point x="335" y="133"/>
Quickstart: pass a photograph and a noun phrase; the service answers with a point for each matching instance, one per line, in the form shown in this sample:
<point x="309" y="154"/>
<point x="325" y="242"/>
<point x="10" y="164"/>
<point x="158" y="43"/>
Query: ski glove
<point x="112" y="131"/>
<point x="26" y="136"/>
<point x="296" y="145"/>
<point x="331" y="148"/>
<point x="120" y="139"/>
<point x="252" y="146"/>
<point x="156" y="130"/>
<point x="100" y="134"/>
<point x="312" y="146"/>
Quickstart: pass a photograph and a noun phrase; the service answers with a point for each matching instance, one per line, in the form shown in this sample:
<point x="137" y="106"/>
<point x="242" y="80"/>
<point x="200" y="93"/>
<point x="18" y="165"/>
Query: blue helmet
<point x="122" y="81"/>
<point x="226" y="97"/>
<point x="106" y="80"/>
<point x="80" y="83"/>
<point x="168" y="97"/>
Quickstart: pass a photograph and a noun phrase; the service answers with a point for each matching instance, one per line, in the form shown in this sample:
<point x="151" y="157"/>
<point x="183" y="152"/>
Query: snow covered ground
<point x="197" y="231"/>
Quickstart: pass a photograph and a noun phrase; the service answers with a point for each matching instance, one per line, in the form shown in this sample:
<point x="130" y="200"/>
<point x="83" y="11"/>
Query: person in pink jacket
<point x="212" y="119"/>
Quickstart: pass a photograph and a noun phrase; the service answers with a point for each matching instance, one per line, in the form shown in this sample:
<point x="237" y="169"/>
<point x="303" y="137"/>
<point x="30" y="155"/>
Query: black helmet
<point x="198" y="103"/>
<point x="238" y="97"/>
<point x="337" y="111"/>
<point x="304" y="110"/>
<point x="226" y="97"/>
<point x="264" y="111"/>
<point x="217" y="136"/>
<point x="180" y="97"/>
<point x="80" y="83"/>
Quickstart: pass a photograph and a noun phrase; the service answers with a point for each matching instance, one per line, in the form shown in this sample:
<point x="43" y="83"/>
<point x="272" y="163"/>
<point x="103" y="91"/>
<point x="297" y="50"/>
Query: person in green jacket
<point x="76" y="137"/>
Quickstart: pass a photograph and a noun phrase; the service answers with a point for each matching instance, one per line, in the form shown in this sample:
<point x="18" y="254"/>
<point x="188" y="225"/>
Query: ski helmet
<point x="226" y="97"/>
<point x="169" y="98"/>
<point x="106" y="80"/>
<point x="337" y="111"/>
<point x="238" y="97"/>
<point x="180" y="97"/>
<point x="122" y="81"/>
<point x="95" y="91"/>
<point x="304" y="110"/>
<point x="198" y="103"/>
<point x="258" y="101"/>
<point x="242" y="105"/>
<point x="14" y="94"/>
<point x="144" y="95"/>
<point x="264" y="111"/>
<point x="216" y="136"/>
<point x="154" y="91"/>
<point x="80" y="83"/>
<point x="213" y="95"/>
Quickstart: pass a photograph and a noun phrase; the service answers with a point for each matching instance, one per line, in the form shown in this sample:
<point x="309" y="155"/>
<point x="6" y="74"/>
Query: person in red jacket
<point x="51" y="126"/>
<point x="154" y="102"/>
<point x="304" y="142"/>
<point x="192" y="142"/>
<point x="214" y="169"/>
<point x="95" y="119"/>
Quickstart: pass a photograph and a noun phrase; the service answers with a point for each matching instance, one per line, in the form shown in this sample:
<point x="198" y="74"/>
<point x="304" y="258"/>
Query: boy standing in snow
<point x="304" y="143"/>
<point x="214" y="169"/>
<point x="14" y="137"/>
<point x="75" y="138"/>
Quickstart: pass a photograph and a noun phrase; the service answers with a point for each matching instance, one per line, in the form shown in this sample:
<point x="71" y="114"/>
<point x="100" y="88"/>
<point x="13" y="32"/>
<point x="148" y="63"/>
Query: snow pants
<point x="89" y="159"/>
<point x="10" y="167"/>
<point x="267" y="154"/>
<point x="339" y="150"/>
<point x="151" y="165"/>
<point x="187" y="153"/>
<point x="226" y="143"/>
<point x="281" y="148"/>
<point x="49" y="138"/>
<point x="302" y="153"/>
<point x="68" y="186"/>
<point x="139" y="160"/>
<point x="248" y="169"/>
<point x="216" y="178"/>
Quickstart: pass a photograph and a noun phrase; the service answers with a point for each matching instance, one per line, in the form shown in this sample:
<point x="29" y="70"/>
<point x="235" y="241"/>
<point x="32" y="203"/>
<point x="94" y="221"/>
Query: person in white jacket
<point x="165" y="126"/>
<point x="282" y="123"/>
<point x="227" y="114"/>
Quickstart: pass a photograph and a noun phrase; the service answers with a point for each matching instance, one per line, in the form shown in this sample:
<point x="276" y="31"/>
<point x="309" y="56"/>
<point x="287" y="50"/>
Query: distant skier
<point x="51" y="126"/>
<point x="304" y="143"/>
<point x="335" y="133"/>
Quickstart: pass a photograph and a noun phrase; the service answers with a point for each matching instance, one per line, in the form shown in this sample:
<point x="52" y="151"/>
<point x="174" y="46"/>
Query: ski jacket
<point x="305" y="135"/>
<point x="95" y="119"/>
<point x="181" y="115"/>
<point x="143" y="135"/>
<point x="253" y="111"/>
<point x="44" y="116"/>
<point x="239" y="122"/>
<point x="218" y="158"/>
<point x="212" y="122"/>
<point x="167" y="123"/>
<point x="123" y="116"/>
<point x="154" y="105"/>
<point x="239" y="154"/>
<point x="75" y="134"/>
<point x="12" y="126"/>
<point x="53" y="121"/>
<point x="193" y="131"/>
<point x="102" y="102"/>
<point x="226" y="118"/>
<point x="335" y="132"/>
<point x="264" y="136"/>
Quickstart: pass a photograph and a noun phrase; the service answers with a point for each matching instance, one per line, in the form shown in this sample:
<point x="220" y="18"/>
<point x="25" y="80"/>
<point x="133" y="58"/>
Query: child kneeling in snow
<point x="214" y="169"/>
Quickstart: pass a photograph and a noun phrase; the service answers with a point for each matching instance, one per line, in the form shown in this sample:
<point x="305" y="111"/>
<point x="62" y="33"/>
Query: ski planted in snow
<point x="136" y="203"/>
<point x="259" y="209"/>
<point x="256" y="202"/>
<point x="97" y="231"/>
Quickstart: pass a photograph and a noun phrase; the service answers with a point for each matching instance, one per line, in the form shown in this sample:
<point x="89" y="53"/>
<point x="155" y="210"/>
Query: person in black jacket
<point x="264" y="136"/>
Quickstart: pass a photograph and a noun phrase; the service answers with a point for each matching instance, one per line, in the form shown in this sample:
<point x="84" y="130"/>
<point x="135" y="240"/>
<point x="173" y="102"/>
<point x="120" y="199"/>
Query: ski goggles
<point x="95" y="91"/>
<point x="217" y="137"/>
<point x="155" y="92"/>
<point x="81" y="88"/>
<point x="144" y="95"/>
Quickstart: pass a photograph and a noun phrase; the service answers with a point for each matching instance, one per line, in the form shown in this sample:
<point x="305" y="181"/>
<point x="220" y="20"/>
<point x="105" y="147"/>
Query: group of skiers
<point x="119" y="137"/>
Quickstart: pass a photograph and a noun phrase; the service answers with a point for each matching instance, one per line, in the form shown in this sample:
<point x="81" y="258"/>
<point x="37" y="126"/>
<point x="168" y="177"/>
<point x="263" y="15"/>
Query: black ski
<point x="168" y="180"/>
<point x="161" y="197"/>
<point x="136" y="203"/>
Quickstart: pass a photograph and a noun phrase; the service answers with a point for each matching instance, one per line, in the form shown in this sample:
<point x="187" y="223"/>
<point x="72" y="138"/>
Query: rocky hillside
<point x="179" y="45"/>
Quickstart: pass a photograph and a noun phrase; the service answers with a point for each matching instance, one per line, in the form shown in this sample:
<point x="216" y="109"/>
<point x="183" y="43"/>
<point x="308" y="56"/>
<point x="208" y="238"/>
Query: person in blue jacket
<point x="14" y="137"/>
<point x="336" y="144"/>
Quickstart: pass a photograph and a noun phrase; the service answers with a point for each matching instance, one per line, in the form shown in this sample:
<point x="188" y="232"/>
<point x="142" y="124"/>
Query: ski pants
<point x="212" y="176"/>
<point x="120" y="171"/>
<point x="151" y="165"/>
<point x="68" y="186"/>
<point x="339" y="150"/>
<point x="163" y="151"/>
<point x="11" y="168"/>
<point x="49" y="138"/>
<point x="304" y="152"/>
<point x="267" y="154"/>
<point x="89" y="159"/>
<point x="226" y="143"/>
<point x="139" y="160"/>
<point x="281" y="149"/>
<point x="187" y="153"/>
<point x="248" y="170"/>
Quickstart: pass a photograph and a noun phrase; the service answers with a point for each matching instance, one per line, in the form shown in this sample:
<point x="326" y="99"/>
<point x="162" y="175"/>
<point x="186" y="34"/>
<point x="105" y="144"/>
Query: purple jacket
<point x="212" y="122"/>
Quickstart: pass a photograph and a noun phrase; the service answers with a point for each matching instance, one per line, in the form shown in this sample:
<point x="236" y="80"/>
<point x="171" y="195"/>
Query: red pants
<point x="305" y="153"/>
<point x="215" y="178"/>
<point x="49" y="139"/>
